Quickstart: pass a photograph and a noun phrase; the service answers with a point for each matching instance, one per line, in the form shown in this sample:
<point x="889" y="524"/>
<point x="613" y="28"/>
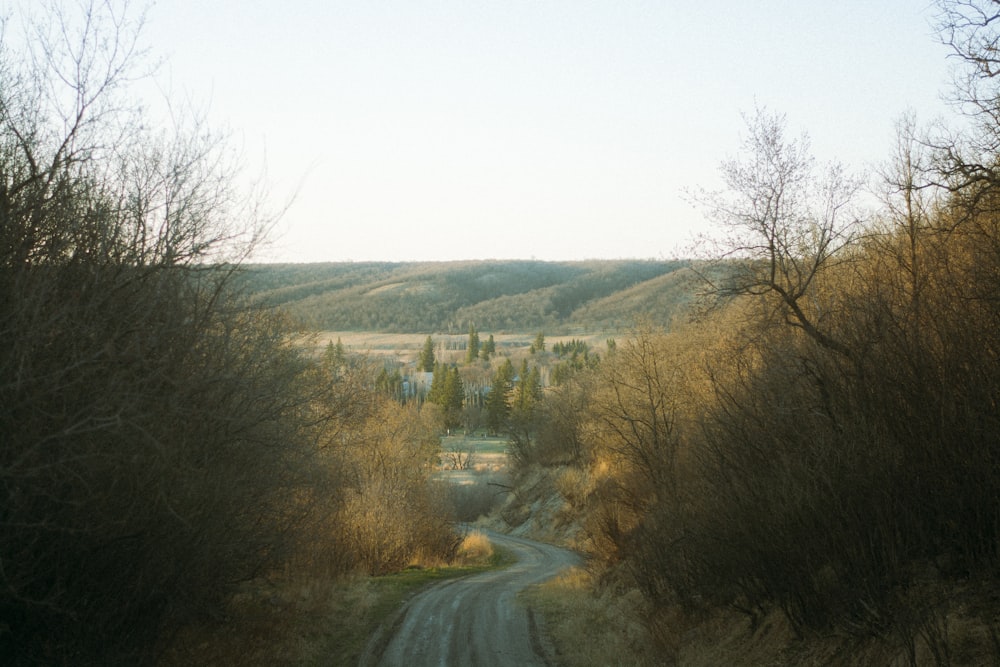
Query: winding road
<point x="473" y="621"/>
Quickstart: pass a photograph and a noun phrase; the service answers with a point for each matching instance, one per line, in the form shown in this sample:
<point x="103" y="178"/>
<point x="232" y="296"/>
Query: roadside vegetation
<point x="816" y="452"/>
<point x="316" y="620"/>
<point x="173" y="453"/>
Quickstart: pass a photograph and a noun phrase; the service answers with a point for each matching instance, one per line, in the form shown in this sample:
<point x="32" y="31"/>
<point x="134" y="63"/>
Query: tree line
<point x="481" y="391"/>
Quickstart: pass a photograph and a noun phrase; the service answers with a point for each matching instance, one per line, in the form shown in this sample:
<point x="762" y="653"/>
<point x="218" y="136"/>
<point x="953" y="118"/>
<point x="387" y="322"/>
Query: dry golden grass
<point x="617" y="627"/>
<point x="407" y="346"/>
<point x="476" y="548"/>
<point x="588" y="629"/>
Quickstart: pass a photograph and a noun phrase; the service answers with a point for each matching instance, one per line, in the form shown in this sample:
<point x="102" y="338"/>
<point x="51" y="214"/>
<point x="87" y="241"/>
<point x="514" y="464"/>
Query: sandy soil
<point x="476" y="620"/>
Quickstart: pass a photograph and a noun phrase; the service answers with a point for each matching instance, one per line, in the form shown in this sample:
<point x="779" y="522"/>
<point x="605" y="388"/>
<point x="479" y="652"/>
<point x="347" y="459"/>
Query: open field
<point x="406" y="346"/>
<point x="480" y="454"/>
<point x="474" y="472"/>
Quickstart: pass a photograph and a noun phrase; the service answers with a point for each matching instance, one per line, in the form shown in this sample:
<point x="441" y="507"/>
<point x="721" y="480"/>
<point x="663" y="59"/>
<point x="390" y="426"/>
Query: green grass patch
<point x="346" y="638"/>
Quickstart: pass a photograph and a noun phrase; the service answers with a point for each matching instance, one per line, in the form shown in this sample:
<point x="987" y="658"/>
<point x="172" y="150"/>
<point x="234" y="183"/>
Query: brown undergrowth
<point x="296" y="620"/>
<point x="598" y="616"/>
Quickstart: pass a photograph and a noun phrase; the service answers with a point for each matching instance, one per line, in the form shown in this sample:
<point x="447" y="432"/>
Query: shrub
<point x="158" y="431"/>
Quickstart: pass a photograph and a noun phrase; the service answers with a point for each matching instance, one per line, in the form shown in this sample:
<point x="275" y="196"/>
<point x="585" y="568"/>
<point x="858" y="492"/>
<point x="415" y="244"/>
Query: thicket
<point x="825" y="441"/>
<point x="162" y="439"/>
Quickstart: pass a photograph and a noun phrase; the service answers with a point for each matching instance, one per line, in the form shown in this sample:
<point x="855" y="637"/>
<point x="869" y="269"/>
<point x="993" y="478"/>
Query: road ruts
<point x="473" y="621"/>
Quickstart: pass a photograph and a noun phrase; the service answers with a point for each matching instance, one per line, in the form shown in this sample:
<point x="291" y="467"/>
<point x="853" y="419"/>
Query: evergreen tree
<point x="437" y="391"/>
<point x="489" y="348"/>
<point x="426" y="362"/>
<point x="528" y="389"/>
<point x="472" y="351"/>
<point x="448" y="391"/>
<point x="539" y="344"/>
<point x="452" y="398"/>
<point x="522" y="424"/>
<point x="535" y="385"/>
<point x="520" y="395"/>
<point x="334" y="357"/>
<point x="498" y="400"/>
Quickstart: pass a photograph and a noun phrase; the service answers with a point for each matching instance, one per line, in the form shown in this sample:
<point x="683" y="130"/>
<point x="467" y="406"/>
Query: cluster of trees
<point x="487" y="390"/>
<point x="823" y="443"/>
<point x="572" y="357"/>
<point x="448" y="392"/>
<point x="163" y="438"/>
<point x="384" y="512"/>
<point x="476" y="350"/>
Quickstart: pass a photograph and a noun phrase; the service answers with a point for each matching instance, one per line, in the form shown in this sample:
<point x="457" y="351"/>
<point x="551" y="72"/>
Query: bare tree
<point x="783" y="221"/>
<point x="157" y="430"/>
<point x="638" y="415"/>
<point x="966" y="159"/>
<point x="460" y="459"/>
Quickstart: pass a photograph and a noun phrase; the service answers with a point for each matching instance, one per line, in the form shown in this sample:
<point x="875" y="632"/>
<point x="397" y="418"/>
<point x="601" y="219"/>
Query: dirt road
<point x="474" y="621"/>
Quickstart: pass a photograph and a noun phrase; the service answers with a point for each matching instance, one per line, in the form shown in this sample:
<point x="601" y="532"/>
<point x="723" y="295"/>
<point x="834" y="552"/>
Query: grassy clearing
<point x="408" y="345"/>
<point x="298" y="622"/>
<point x="478" y="487"/>
<point x="478" y="444"/>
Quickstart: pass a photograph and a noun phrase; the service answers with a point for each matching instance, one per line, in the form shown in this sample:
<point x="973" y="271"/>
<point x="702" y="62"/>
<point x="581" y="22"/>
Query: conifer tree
<point x="489" y="348"/>
<point x="535" y="384"/>
<point x="390" y="383"/>
<point x="437" y="391"/>
<point x="498" y="400"/>
<point x="528" y="389"/>
<point x="426" y="362"/>
<point x="472" y="351"/>
<point x="334" y="356"/>
<point x="539" y="344"/>
<point x="448" y="391"/>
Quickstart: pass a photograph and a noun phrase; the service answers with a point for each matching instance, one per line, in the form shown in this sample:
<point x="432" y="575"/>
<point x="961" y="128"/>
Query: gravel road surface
<point x="473" y="621"/>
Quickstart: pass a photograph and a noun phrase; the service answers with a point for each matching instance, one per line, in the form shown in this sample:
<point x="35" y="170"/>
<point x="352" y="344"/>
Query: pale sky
<point x="467" y="129"/>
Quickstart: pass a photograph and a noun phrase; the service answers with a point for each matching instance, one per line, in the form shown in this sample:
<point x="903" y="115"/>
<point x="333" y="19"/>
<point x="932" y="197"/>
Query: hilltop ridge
<point x="498" y="295"/>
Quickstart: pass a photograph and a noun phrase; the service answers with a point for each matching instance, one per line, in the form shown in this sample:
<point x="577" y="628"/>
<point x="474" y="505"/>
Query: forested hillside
<point x="496" y="295"/>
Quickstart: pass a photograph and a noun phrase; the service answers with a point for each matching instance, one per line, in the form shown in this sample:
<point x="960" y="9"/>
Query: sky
<point x="409" y="130"/>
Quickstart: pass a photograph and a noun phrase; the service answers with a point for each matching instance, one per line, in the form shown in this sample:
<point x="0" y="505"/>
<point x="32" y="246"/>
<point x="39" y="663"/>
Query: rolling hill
<point x="500" y="296"/>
